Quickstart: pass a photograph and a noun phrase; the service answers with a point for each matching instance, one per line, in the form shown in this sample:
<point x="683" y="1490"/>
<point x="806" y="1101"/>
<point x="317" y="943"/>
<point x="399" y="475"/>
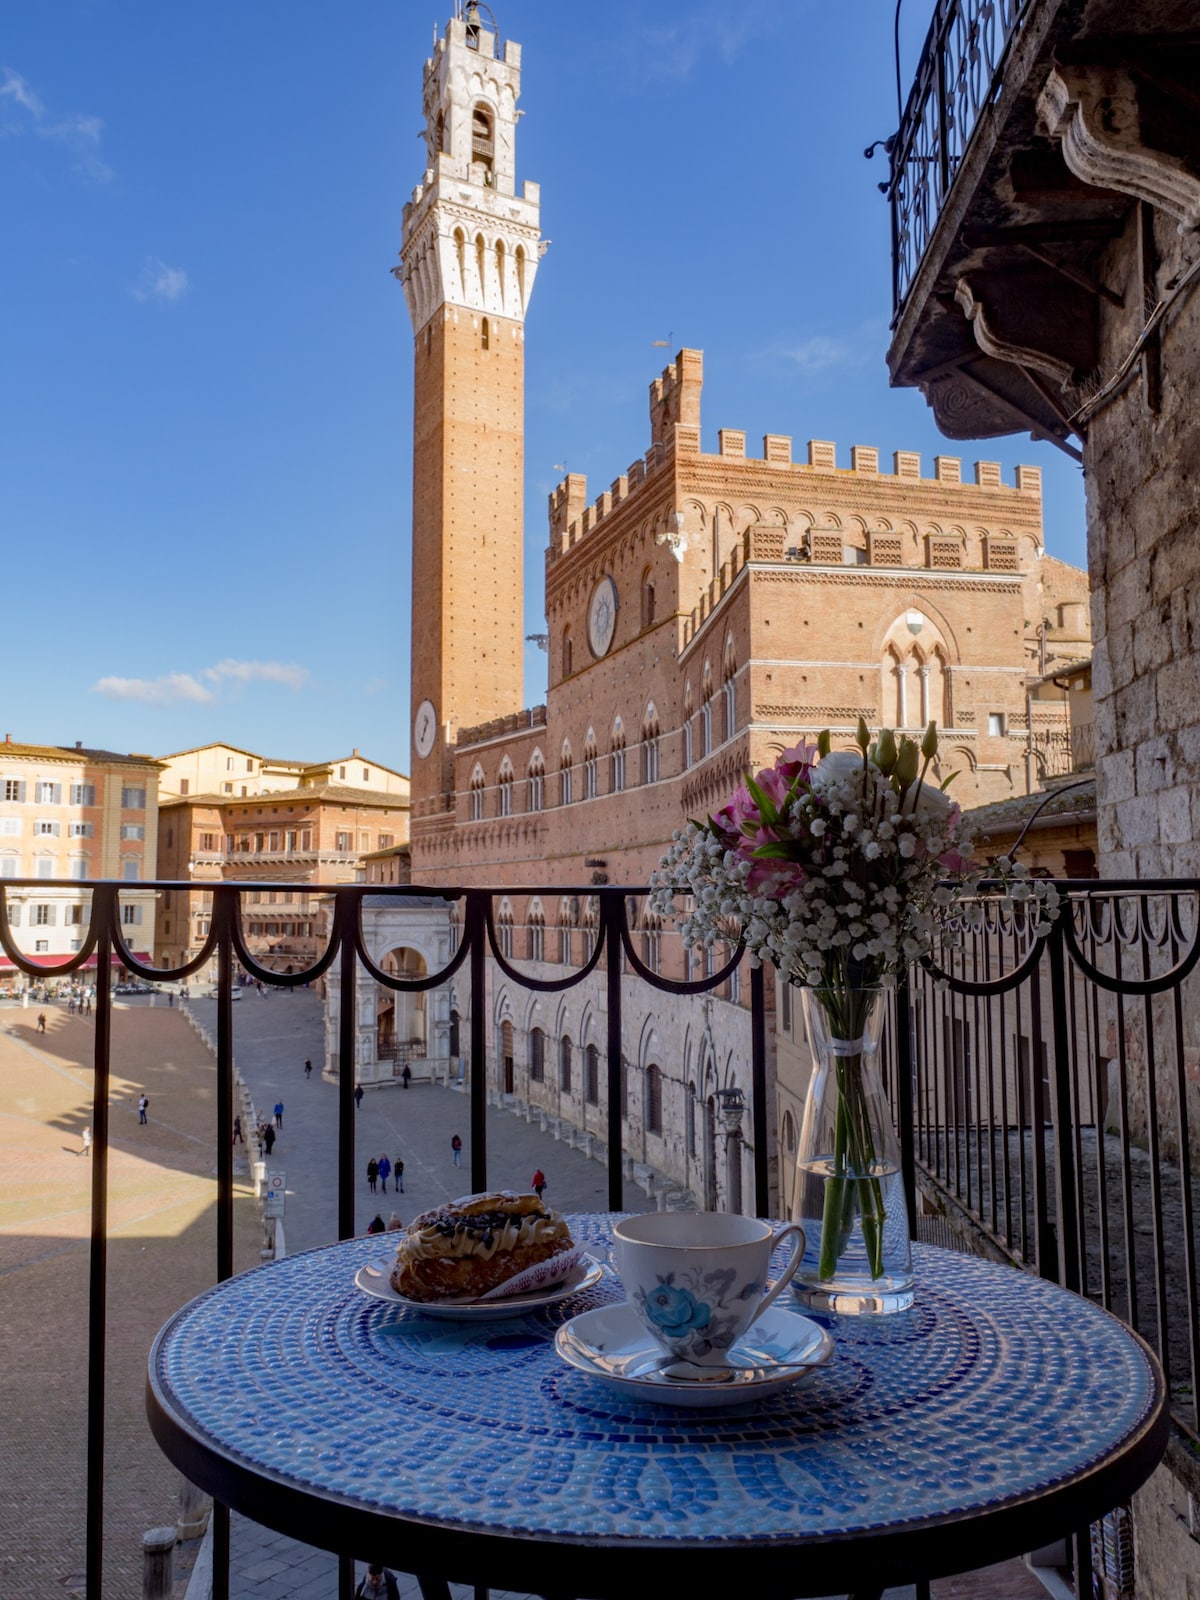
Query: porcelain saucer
<point x="781" y="1348"/>
<point x="373" y="1280"/>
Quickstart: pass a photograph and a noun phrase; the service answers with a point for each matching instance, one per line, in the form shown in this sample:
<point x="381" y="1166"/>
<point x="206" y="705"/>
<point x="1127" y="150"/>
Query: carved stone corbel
<point x="1004" y="343"/>
<point x="1094" y="112"/>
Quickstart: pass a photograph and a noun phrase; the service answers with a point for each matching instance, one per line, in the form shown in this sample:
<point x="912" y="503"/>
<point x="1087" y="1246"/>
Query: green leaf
<point x="766" y="806"/>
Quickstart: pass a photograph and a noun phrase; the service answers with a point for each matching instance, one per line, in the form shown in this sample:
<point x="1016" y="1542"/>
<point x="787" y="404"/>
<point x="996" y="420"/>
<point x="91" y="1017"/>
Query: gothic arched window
<point x="650" y="745"/>
<point x="618" y="757"/>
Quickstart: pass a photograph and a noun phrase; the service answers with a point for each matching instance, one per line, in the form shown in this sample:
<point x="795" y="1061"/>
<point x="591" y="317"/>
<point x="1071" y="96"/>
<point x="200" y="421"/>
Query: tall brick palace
<point x="703" y="611"/>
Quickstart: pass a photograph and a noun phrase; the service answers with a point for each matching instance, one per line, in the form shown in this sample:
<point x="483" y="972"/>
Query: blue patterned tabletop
<point x="994" y="1388"/>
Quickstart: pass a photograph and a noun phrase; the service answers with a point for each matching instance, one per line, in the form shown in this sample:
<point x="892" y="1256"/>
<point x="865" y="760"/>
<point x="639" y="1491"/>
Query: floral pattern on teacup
<point x="686" y="1310"/>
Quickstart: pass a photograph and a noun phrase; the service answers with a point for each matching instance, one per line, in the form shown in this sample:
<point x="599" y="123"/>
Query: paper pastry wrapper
<point x="540" y="1276"/>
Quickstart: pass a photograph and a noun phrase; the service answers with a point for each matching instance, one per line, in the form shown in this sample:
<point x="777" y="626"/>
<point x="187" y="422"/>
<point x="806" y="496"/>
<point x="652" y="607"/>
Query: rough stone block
<point x="1135" y="713"/>
<point x="1116" y="778"/>
<point x="1178" y="691"/>
<point x="1154" y="765"/>
<point x="1152" y="640"/>
<point x="1127" y="587"/>
<point x="1138" y="822"/>
<point x="1115" y="863"/>
<point x="1175" y="815"/>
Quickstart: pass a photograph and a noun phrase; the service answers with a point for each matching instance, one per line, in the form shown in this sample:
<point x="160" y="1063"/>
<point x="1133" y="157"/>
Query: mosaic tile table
<point x="996" y="1415"/>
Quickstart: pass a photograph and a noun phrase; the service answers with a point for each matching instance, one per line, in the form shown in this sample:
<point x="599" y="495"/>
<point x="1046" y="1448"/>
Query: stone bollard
<point x="158" y="1564"/>
<point x="194" y="1508"/>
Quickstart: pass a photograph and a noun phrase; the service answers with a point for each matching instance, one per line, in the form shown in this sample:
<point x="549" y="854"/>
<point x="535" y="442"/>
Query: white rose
<point x="931" y="804"/>
<point x="839" y="766"/>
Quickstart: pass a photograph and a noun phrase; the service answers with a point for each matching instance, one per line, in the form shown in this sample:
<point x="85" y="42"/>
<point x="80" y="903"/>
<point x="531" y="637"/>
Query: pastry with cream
<point x="469" y="1248"/>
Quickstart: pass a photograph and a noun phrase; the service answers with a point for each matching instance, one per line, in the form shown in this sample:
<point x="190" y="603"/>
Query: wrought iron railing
<point x="957" y="78"/>
<point x="1056" y="1102"/>
<point x="1043" y="1088"/>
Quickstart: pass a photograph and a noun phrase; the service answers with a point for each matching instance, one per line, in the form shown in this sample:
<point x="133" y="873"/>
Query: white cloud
<point x="259" y="671"/>
<point x="818" y="354"/>
<point x="77" y="131"/>
<point x="16" y="89"/>
<point x="163" y="691"/>
<point x="673" y="51"/>
<point x="160" y="282"/>
<point x="200" y="688"/>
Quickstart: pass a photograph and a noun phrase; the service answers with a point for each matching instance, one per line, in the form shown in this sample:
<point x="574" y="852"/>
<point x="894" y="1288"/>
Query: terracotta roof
<point x="70" y="752"/>
<point x="336" y="793"/>
<point x="1075" y="797"/>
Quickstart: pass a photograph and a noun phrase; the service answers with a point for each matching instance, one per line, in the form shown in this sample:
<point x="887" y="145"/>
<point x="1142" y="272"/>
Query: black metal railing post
<point x="612" y="920"/>
<point x="1066" y="1192"/>
<point x="758" y="1099"/>
<point x="345" y="922"/>
<point x="475" y="934"/>
<point x="904" y="1099"/>
<point x="105" y="909"/>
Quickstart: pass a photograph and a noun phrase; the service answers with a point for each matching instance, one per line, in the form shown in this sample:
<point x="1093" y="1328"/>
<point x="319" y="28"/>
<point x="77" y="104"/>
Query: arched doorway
<point x="733" y="1171"/>
<point x="506" y="1056"/>
<point x="401" y="1032"/>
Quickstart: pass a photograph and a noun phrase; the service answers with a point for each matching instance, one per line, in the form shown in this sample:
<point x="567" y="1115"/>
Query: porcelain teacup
<point x="698" y="1279"/>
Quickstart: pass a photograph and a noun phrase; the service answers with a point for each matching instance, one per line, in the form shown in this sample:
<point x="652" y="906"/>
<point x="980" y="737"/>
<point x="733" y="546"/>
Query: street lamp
<point x="731" y="1103"/>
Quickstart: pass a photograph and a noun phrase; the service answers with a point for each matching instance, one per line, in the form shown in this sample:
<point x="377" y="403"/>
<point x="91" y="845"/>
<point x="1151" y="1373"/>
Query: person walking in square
<point x="385" y="1171"/>
<point x="456" y="1148"/>
<point x="372" y="1174"/>
<point x="143" y="1107"/>
<point x="379" y="1584"/>
<point x="308" y="1066"/>
<point x="358" y="1094"/>
<point x="87" y="1142"/>
<point x="406" y="1075"/>
<point x="377" y="1225"/>
<point x="279" y="1113"/>
<point x="41" y="1028"/>
<point x="269" y="1138"/>
<point x="538" y="1182"/>
<point x="398" y="1169"/>
<point x="237" y="1131"/>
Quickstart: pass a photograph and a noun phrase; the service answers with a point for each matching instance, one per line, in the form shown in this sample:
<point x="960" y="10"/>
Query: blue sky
<point x="206" y="404"/>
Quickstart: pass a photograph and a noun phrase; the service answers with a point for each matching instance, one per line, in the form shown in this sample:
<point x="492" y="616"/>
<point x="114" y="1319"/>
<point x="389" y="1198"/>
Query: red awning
<point x="56" y="961"/>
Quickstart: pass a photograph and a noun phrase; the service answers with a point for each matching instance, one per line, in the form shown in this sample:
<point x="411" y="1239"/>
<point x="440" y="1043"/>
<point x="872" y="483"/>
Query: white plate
<point x="374" y="1280"/>
<point x="780" y="1349"/>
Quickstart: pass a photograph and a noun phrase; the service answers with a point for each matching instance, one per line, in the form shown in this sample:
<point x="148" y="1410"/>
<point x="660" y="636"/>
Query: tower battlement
<point x="675" y="397"/>
<point x="675" y="432"/>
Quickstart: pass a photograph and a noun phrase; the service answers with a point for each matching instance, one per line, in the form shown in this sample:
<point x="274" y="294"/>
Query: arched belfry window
<point x="483" y="146"/>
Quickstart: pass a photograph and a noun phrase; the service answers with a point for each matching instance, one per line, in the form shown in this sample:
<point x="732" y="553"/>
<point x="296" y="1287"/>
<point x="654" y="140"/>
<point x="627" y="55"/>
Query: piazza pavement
<point x="162" y="1252"/>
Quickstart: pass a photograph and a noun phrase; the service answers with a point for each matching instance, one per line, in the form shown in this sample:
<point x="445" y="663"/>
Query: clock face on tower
<point x="602" y="616"/>
<point x="424" y="728"/>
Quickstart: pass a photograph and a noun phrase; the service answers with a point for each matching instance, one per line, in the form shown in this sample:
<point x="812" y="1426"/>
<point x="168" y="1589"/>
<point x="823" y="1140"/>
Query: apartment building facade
<point x="70" y="812"/>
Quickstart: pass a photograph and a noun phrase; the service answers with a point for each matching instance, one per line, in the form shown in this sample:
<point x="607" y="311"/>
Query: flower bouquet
<point x="833" y="866"/>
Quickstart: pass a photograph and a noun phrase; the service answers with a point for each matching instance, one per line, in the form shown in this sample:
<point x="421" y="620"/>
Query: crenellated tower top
<point x="470" y="240"/>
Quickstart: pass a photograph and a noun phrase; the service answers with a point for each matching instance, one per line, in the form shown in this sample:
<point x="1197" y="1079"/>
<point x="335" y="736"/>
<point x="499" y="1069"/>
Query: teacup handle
<point x="788" y="1273"/>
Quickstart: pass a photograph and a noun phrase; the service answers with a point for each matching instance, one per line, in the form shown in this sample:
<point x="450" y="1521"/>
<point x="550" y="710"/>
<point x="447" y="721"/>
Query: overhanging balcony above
<point x="1033" y="133"/>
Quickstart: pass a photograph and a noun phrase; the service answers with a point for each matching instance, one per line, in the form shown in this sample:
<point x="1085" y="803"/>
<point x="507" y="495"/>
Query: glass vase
<point x="849" y="1190"/>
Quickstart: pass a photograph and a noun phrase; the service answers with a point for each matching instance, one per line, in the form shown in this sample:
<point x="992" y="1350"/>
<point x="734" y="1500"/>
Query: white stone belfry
<point x="469" y="239"/>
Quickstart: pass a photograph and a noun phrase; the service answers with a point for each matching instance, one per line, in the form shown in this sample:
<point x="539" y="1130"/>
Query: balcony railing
<point x="1045" y="1091"/>
<point x="957" y="78"/>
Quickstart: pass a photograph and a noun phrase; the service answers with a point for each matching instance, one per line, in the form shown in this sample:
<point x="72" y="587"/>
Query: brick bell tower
<point x="469" y="257"/>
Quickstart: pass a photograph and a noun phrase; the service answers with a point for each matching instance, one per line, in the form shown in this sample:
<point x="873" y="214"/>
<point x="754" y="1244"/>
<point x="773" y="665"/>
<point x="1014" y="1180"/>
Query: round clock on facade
<point x="602" y="616"/>
<point x="424" y="728"/>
